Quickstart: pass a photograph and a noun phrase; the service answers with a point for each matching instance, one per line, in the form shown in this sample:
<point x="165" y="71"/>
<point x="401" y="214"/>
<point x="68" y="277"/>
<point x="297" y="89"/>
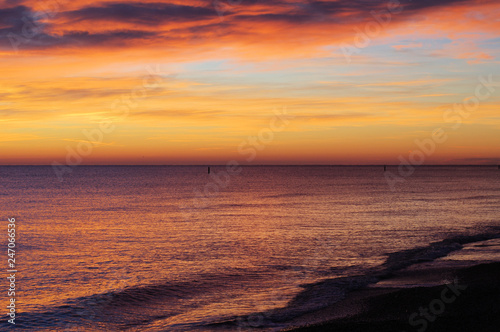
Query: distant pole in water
<point x="208" y="169"/>
<point x="385" y="168"/>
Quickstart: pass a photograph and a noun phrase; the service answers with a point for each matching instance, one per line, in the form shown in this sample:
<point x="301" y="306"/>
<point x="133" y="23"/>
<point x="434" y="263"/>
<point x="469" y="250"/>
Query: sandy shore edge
<point x="454" y="294"/>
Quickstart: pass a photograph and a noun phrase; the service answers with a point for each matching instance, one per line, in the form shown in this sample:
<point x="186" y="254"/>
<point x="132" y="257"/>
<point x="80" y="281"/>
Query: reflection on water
<point x="111" y="248"/>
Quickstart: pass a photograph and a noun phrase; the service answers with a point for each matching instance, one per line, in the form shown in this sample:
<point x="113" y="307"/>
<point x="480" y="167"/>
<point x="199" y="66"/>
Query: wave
<point x="319" y="295"/>
<point x="169" y="298"/>
<point x="120" y="309"/>
<point x="402" y="259"/>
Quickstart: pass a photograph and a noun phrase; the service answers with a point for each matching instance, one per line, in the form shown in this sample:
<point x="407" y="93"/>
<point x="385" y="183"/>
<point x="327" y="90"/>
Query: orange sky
<point x="176" y="82"/>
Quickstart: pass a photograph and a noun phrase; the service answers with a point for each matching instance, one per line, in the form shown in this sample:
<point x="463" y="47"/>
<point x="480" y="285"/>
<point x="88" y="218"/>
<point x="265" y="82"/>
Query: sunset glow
<point x="188" y="82"/>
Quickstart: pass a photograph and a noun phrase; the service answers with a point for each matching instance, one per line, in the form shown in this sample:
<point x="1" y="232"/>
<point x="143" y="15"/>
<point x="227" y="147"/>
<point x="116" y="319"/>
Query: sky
<point x="260" y="82"/>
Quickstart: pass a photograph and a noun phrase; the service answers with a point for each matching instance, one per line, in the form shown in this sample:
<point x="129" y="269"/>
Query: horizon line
<point x="257" y="165"/>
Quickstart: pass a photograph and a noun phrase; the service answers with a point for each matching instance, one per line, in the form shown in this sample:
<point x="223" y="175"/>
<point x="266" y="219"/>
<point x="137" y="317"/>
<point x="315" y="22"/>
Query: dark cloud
<point x="110" y="38"/>
<point x="345" y="6"/>
<point x="340" y="11"/>
<point x="292" y="17"/>
<point x="22" y="29"/>
<point x="15" y="17"/>
<point x="73" y="39"/>
<point x="141" y="13"/>
<point x="424" y="4"/>
<point x="21" y="26"/>
<point x="11" y="2"/>
<point x="18" y="24"/>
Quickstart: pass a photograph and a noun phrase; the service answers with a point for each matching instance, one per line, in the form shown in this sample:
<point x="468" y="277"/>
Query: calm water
<point x="132" y="248"/>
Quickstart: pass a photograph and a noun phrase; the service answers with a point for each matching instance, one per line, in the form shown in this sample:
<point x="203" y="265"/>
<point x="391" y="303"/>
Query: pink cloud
<point x="408" y="46"/>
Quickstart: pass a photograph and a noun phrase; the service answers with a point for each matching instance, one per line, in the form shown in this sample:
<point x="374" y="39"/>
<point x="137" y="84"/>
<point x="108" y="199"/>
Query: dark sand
<point x="472" y="303"/>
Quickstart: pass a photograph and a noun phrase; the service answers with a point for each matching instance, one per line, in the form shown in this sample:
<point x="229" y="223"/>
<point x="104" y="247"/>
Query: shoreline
<point x="452" y="293"/>
<point x="386" y="297"/>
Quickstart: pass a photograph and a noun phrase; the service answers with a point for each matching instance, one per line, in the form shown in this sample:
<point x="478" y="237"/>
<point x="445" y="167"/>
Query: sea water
<point x="173" y="248"/>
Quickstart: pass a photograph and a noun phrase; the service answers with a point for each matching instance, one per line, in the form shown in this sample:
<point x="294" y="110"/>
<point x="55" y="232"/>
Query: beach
<point x="250" y="166"/>
<point x="459" y="292"/>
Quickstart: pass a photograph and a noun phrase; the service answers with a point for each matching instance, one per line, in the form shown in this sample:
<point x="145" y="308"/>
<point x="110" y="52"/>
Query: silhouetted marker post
<point x="208" y="169"/>
<point x="385" y="168"/>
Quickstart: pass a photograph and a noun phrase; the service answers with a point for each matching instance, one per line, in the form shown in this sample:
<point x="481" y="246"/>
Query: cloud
<point x="337" y="11"/>
<point x="18" y="137"/>
<point x="23" y="28"/>
<point x="466" y="50"/>
<point x="333" y="117"/>
<point x="141" y="13"/>
<point x="183" y="113"/>
<point x="14" y="18"/>
<point x="165" y="23"/>
<point x="408" y="46"/>
<point x="422" y="82"/>
<point x="12" y="39"/>
<point x="477" y="58"/>
<point x="416" y="5"/>
<point x="121" y="37"/>
<point x="7" y="3"/>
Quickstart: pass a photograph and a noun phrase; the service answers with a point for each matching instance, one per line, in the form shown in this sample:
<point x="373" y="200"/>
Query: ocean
<point x="173" y="248"/>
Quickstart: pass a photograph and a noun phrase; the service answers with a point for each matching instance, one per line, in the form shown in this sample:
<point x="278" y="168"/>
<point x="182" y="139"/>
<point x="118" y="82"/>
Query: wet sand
<point x="459" y="292"/>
